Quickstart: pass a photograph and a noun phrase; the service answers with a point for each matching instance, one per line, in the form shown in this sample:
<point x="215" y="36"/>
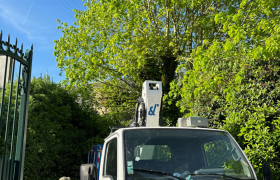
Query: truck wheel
<point x="93" y="174"/>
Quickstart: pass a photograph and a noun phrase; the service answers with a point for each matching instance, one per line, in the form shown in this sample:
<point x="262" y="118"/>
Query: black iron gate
<point x="15" y="71"/>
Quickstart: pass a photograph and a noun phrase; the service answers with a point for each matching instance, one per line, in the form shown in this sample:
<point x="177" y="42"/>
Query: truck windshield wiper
<point x="216" y="174"/>
<point x="159" y="172"/>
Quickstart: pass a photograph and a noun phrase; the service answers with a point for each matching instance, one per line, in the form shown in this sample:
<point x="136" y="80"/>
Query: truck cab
<point x="173" y="153"/>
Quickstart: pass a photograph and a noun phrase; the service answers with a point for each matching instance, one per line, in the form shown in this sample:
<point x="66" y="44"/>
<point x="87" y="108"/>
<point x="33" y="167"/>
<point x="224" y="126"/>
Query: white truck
<point x="191" y="151"/>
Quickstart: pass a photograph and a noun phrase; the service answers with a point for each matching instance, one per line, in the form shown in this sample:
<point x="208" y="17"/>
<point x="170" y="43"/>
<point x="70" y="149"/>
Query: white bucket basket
<point x="152" y="95"/>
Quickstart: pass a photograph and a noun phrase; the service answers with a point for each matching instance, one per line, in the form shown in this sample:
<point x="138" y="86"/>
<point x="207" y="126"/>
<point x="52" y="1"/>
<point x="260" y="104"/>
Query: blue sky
<point x="34" y="22"/>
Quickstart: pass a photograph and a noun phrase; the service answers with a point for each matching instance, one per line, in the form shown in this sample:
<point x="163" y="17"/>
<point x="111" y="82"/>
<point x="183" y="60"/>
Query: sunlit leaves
<point x="234" y="79"/>
<point x="123" y="43"/>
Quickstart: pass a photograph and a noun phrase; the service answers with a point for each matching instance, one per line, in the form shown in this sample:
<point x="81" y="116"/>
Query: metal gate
<point x="15" y="71"/>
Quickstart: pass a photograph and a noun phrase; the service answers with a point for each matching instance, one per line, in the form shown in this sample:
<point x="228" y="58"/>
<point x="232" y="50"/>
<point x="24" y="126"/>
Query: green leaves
<point x="233" y="79"/>
<point x="60" y="131"/>
<point x="122" y="43"/>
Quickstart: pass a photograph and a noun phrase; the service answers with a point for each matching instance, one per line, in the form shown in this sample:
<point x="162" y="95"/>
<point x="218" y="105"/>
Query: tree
<point x="234" y="80"/>
<point x="116" y="45"/>
<point x="60" y="132"/>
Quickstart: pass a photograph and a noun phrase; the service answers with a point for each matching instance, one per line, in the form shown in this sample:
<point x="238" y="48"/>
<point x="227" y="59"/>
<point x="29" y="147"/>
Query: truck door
<point x="110" y="161"/>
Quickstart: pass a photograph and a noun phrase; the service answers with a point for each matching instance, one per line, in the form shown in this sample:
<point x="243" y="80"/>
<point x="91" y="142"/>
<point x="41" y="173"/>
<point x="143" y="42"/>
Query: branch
<point x="148" y="9"/>
<point x="167" y="21"/>
<point x="120" y="87"/>
<point x="246" y="15"/>
<point x="131" y="85"/>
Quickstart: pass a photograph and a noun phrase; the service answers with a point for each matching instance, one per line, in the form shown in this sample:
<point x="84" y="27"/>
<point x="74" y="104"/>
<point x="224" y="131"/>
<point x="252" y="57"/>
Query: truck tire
<point x="92" y="175"/>
<point x="88" y="172"/>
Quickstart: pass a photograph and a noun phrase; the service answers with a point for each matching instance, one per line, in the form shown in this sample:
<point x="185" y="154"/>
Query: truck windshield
<point x="187" y="153"/>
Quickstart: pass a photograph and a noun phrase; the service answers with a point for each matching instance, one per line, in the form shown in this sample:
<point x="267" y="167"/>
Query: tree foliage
<point x="116" y="45"/>
<point x="60" y="131"/>
<point x="234" y="80"/>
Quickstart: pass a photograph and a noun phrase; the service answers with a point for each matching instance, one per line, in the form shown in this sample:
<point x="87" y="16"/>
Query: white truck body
<point x="122" y="166"/>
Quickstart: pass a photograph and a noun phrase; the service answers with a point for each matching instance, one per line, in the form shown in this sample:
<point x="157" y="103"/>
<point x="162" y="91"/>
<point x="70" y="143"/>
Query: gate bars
<point x="12" y="153"/>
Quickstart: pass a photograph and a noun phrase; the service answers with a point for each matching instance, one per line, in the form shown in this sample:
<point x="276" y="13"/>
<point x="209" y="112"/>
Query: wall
<point x="2" y="70"/>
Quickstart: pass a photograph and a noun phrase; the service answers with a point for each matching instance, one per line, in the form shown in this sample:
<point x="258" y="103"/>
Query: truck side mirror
<point x="267" y="174"/>
<point x="88" y="172"/>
